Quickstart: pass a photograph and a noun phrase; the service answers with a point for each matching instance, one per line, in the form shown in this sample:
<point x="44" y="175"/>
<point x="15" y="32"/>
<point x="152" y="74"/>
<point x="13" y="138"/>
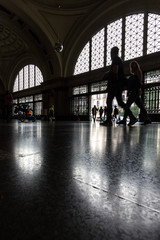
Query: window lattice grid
<point x="22" y="100"/>
<point x="97" y="51"/>
<point x="80" y="105"/>
<point x="26" y="77"/>
<point x="31" y="75"/>
<point x="29" y="99"/>
<point x="153" y="34"/>
<point x="21" y="78"/>
<point x="38" y="106"/>
<point x="99" y="86"/>
<point x="114" y="38"/>
<point x="80" y="89"/>
<point x="134" y="32"/>
<point x="39" y="77"/>
<point x="15" y="87"/>
<point x="83" y="89"/>
<point x="152" y="100"/>
<point x="37" y="97"/>
<point x="152" y="76"/>
<point x="82" y="64"/>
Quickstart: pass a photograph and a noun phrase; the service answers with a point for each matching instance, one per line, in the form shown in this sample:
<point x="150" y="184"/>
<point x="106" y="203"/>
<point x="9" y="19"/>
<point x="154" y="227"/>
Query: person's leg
<point x="108" y="121"/>
<point x="139" y="103"/>
<point x="126" y="106"/>
<point x="109" y="104"/>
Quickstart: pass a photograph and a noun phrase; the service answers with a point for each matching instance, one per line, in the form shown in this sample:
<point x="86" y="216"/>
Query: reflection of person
<point x="8" y="101"/>
<point x="94" y="112"/>
<point x="134" y="92"/>
<point x="116" y="84"/>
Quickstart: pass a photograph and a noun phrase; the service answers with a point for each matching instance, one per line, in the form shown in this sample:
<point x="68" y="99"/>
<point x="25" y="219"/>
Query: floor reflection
<point x="119" y="160"/>
<point x="30" y="163"/>
<point x="27" y="147"/>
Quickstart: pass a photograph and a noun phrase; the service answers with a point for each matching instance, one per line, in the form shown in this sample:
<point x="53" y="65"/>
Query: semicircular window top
<point x="135" y="35"/>
<point x="28" y="77"/>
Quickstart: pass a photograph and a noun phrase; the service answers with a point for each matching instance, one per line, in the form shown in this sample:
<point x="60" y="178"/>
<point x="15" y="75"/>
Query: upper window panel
<point x="97" y="59"/>
<point x="15" y="88"/>
<point x="134" y="36"/>
<point x="114" y="38"/>
<point x="82" y="64"/>
<point x="26" y="70"/>
<point x="153" y="35"/>
<point x="152" y="76"/>
<point x="29" y="76"/>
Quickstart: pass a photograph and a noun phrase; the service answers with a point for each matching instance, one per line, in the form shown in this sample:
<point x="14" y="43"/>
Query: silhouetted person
<point x="134" y="92"/>
<point x="116" y="83"/>
<point x="100" y="112"/>
<point x="51" y="113"/>
<point x="94" y="112"/>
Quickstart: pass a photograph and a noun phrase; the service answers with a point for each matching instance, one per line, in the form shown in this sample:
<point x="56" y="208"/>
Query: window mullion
<point x="90" y="54"/>
<point x="105" y="46"/>
<point x="123" y="37"/>
<point x="145" y="34"/>
<point x="29" y="76"/>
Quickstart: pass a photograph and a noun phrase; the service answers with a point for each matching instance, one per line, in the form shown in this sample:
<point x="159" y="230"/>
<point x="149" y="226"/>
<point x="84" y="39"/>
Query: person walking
<point x="100" y="113"/>
<point x="116" y="83"/>
<point x="51" y="113"/>
<point x="115" y="112"/>
<point x="135" y="91"/>
<point x="94" y="112"/>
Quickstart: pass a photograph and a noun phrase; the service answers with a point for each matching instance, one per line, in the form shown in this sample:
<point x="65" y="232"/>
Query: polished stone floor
<point x="79" y="181"/>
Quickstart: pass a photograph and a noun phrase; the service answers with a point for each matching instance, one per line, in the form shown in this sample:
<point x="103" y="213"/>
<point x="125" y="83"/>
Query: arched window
<point x="82" y="64"/>
<point x="29" y="76"/>
<point x="134" y="37"/>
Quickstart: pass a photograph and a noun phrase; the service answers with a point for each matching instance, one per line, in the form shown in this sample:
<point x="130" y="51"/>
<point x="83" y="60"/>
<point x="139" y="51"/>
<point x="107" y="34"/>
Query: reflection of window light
<point x="91" y="178"/>
<point x="29" y="163"/>
<point x="158" y="146"/>
<point x="27" y="155"/>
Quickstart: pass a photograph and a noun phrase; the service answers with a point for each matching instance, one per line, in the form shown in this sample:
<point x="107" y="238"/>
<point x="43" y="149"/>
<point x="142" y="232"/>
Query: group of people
<point x="117" y="83"/>
<point x="103" y="113"/>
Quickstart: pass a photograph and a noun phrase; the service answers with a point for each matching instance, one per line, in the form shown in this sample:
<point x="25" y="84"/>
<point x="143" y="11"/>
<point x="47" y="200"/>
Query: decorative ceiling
<point x="48" y="21"/>
<point x="33" y="27"/>
<point x="10" y="42"/>
<point x="66" y="4"/>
